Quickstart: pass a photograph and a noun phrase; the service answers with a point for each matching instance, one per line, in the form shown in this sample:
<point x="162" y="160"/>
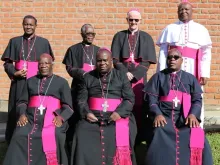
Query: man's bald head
<point x="104" y="60"/>
<point x="185" y="12"/>
<point x="45" y="64"/>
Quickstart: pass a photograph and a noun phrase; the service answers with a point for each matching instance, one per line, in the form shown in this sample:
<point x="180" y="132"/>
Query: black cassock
<point x="13" y="53"/>
<point x="26" y="144"/>
<point x="170" y="145"/>
<point x="142" y="45"/>
<point x="75" y="60"/>
<point x="95" y="143"/>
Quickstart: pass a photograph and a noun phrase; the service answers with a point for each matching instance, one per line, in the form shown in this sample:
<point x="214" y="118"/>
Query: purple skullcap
<point x="105" y="48"/>
<point x="46" y="55"/>
<point x="134" y="11"/>
<point x="185" y="2"/>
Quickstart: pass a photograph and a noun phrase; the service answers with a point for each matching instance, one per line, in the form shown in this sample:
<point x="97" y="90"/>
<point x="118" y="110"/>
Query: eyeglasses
<point x="176" y="57"/>
<point x="90" y="33"/>
<point x="131" y="20"/>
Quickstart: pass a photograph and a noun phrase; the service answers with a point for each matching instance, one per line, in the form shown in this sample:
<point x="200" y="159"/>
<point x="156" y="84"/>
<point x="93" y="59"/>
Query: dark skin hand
<point x="115" y="116"/>
<point x="91" y="117"/>
<point x="57" y="121"/>
<point x="159" y="121"/>
<point x="192" y="121"/>
<point x="22" y="121"/>
<point x="203" y="81"/>
<point x="21" y="73"/>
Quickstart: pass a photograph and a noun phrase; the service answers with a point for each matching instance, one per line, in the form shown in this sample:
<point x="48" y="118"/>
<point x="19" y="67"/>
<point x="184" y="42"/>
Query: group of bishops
<point x="110" y="108"/>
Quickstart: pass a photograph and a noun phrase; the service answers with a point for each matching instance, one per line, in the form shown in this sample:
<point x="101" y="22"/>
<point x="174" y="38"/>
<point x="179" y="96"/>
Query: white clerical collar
<point x="180" y="22"/>
<point x="87" y="45"/>
<point x="132" y="32"/>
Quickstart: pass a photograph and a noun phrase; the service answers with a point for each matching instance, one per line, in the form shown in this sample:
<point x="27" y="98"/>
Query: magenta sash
<point x="194" y="54"/>
<point x="197" y="137"/>
<point x="138" y="92"/>
<point x="32" y="67"/>
<point x="96" y="104"/>
<point x="87" y="67"/>
<point x="48" y="130"/>
<point x="137" y="86"/>
<point x="122" y="156"/>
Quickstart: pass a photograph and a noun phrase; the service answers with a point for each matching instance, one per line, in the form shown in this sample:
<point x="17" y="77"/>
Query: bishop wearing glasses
<point x="133" y="51"/>
<point x="79" y="59"/>
<point x="175" y="102"/>
<point x="194" y="42"/>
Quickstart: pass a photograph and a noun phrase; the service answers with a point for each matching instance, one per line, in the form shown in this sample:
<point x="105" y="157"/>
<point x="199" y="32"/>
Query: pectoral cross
<point x="25" y="65"/>
<point x="176" y="101"/>
<point x="132" y="56"/>
<point x="105" y="106"/>
<point x="92" y="66"/>
<point x="41" y="108"/>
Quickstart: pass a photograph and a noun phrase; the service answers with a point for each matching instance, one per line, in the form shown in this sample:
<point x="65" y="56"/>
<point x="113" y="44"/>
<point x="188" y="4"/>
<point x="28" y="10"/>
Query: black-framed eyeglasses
<point x="176" y="57"/>
<point x="131" y="20"/>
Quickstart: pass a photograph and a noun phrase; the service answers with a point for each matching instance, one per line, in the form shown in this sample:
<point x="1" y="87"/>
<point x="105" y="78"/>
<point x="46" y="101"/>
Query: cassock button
<point x="103" y="162"/>
<point x="103" y="156"/>
<point x="102" y="137"/>
<point x="103" y="150"/>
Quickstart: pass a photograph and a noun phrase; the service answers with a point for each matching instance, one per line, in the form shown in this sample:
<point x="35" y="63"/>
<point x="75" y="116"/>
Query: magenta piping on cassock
<point x="197" y="136"/>
<point x="122" y="156"/>
<point x="48" y="131"/>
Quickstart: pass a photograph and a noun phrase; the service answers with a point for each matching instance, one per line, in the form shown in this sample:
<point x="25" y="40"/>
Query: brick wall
<point x="60" y="21"/>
